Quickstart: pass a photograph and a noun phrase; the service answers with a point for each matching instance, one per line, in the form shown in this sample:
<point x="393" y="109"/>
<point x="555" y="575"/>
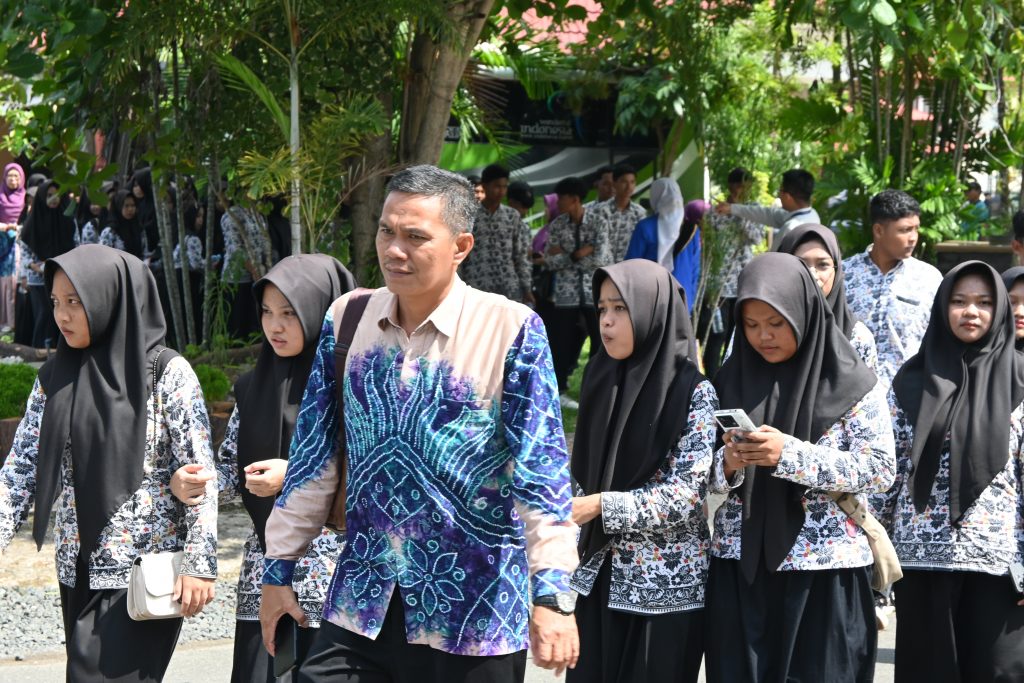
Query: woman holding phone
<point x="643" y="448"/>
<point x="789" y="592"/>
<point x="955" y="510"/>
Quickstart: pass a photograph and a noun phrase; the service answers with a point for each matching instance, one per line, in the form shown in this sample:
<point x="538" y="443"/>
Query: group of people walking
<point x="431" y="410"/>
<point x="40" y="220"/>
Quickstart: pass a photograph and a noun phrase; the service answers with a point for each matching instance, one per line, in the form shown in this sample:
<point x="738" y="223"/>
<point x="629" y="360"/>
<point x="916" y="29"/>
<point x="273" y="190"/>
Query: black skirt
<point x="104" y="644"/>
<point x="624" y="647"/>
<point x="958" y="627"/>
<point x="790" y="626"/>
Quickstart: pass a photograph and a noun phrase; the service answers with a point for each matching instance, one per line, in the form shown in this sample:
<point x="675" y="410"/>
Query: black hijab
<point x="269" y="396"/>
<point x="130" y="231"/>
<point x="964" y="390"/>
<point x="97" y="397"/>
<point x="836" y="299"/>
<point x="146" y="214"/>
<point x="634" y="410"/>
<point x="802" y="397"/>
<point x="1010" y="278"/>
<point x="48" y="232"/>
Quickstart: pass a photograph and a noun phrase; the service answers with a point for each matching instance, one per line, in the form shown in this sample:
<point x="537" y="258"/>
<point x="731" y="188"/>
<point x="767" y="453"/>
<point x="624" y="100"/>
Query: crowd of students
<point x="40" y="220"/>
<point x="873" y="376"/>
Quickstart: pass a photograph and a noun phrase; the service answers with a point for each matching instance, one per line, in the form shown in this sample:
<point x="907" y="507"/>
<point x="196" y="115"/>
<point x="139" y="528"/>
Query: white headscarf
<point x="667" y="202"/>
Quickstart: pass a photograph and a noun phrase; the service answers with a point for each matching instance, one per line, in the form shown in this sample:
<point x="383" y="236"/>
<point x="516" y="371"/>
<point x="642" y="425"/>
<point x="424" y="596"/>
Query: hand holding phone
<point x="735" y="421"/>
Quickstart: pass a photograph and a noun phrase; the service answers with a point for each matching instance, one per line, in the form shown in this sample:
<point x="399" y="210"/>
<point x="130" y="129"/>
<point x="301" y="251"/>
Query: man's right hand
<point x="188" y="483"/>
<point x="724" y="208"/>
<point x="278" y="601"/>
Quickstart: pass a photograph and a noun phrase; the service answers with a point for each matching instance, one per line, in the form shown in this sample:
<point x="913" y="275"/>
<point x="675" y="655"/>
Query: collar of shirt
<point x="870" y="262"/>
<point x="444" y="318"/>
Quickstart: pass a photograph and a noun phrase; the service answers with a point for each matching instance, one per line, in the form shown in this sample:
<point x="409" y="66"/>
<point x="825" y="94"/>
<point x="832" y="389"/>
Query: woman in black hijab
<point x="818" y="248"/>
<point x="955" y="510"/>
<point x="1013" y="279"/>
<point x="125" y="232"/>
<point x="293" y="299"/>
<point x="48" y="232"/>
<point x="142" y="190"/>
<point x="643" y="447"/>
<point x="789" y="593"/>
<point x="98" y="444"/>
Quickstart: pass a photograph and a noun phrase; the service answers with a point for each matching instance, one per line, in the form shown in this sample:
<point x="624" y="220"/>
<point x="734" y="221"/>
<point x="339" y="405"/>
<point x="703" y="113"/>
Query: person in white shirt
<point x="795" y="193"/>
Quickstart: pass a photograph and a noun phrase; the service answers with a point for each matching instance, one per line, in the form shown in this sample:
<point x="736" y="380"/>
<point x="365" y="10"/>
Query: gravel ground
<point x="31" y="623"/>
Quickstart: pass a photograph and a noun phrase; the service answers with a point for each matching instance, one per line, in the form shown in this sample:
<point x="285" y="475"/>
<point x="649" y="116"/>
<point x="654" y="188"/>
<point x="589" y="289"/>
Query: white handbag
<point x="153" y="575"/>
<point x="151" y="586"/>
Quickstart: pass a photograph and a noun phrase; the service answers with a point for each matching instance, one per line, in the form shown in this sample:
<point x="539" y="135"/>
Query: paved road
<point x="211" y="662"/>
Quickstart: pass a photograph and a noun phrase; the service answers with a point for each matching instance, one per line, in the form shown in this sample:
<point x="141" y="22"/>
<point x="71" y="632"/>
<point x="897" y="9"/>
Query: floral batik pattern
<point x="990" y="533"/>
<point x="152" y="520"/>
<point x="856" y="455"/>
<point x="659" y="548"/>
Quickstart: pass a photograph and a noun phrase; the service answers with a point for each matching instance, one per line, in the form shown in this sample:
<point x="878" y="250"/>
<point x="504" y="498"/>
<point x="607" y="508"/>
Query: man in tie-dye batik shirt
<point x="459" y="503"/>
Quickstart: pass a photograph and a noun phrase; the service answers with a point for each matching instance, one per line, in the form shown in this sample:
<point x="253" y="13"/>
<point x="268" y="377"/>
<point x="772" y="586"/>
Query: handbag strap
<point x="346" y="333"/>
<point x="849" y="504"/>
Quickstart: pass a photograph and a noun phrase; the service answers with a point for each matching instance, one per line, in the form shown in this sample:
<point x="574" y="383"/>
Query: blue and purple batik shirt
<point x="458" y="480"/>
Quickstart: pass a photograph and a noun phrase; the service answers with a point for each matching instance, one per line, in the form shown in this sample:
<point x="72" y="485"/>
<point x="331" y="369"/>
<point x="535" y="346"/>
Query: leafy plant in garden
<point x="16" y="380"/>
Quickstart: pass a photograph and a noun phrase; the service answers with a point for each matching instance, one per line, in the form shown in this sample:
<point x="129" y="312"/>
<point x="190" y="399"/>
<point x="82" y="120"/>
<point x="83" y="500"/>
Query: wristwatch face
<point x="566" y="602"/>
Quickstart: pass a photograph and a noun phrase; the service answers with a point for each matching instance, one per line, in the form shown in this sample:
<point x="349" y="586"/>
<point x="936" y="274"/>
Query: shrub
<point x="214" y="382"/>
<point x="16" y="380"/>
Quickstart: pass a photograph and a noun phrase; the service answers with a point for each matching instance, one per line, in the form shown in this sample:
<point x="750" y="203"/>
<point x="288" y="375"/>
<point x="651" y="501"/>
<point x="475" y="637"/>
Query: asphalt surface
<point x="210" y="662"/>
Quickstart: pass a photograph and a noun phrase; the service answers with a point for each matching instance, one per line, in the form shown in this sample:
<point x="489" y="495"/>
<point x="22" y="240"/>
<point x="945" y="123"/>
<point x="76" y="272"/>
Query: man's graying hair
<point x="458" y="203"/>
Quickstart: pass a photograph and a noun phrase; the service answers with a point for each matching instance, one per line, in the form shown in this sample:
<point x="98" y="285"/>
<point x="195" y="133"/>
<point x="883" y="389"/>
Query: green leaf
<point x="883" y="13"/>
<point x="239" y="76"/>
<point x="913" y="21"/>
<point x="957" y="35"/>
<point x="93" y="22"/>
<point x="576" y="12"/>
<point x="24" y="64"/>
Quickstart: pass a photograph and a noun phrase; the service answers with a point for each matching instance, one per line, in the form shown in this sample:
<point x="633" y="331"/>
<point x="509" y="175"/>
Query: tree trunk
<point x="879" y="151"/>
<point x="293" y="76"/>
<point x="162" y="223"/>
<point x="908" y="114"/>
<point x="186" y="280"/>
<point x="212" y="181"/>
<point x="435" y="71"/>
<point x="366" y="199"/>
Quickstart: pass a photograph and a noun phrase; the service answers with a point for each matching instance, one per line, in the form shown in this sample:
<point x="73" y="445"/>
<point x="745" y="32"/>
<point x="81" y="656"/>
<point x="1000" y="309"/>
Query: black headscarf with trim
<point x="633" y="411"/>
<point x="97" y="397"/>
<point x="269" y="396"/>
<point x="802" y="397"/>
<point x="963" y="391"/>
<point x="836" y="298"/>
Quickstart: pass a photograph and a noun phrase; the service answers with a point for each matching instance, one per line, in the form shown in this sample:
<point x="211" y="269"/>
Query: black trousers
<point x="24" y="318"/>
<point x="790" y="627"/>
<point x="251" y="662"/>
<point x="104" y="644"/>
<point x="244" y="318"/>
<point x="619" y="647"/>
<point x="958" y="627"/>
<point x="346" y="657"/>
<point x="44" y="327"/>
<point x="718" y="341"/>
<point x="568" y="328"/>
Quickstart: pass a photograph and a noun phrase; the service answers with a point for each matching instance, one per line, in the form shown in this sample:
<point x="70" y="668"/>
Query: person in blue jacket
<point x="671" y="236"/>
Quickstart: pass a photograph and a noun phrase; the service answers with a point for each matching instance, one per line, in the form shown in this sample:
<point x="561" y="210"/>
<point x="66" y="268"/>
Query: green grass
<point x="569" y="415"/>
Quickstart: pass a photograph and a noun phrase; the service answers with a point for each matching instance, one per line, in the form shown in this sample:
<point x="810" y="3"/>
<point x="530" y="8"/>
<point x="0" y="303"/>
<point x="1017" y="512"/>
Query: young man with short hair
<point x="888" y="289"/>
<point x="795" y="194"/>
<point x="578" y="245"/>
<point x="620" y="212"/>
<point x="500" y="260"/>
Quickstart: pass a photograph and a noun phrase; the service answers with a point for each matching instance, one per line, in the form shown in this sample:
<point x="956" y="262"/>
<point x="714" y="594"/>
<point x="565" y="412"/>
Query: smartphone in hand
<point x="735" y="420"/>
<point x="289" y="647"/>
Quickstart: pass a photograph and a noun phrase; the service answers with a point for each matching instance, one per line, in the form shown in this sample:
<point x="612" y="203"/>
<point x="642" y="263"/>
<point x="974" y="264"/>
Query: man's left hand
<point x="554" y="640"/>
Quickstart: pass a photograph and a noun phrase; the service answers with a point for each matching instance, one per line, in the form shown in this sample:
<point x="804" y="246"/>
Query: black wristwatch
<point x="564" y="603"/>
